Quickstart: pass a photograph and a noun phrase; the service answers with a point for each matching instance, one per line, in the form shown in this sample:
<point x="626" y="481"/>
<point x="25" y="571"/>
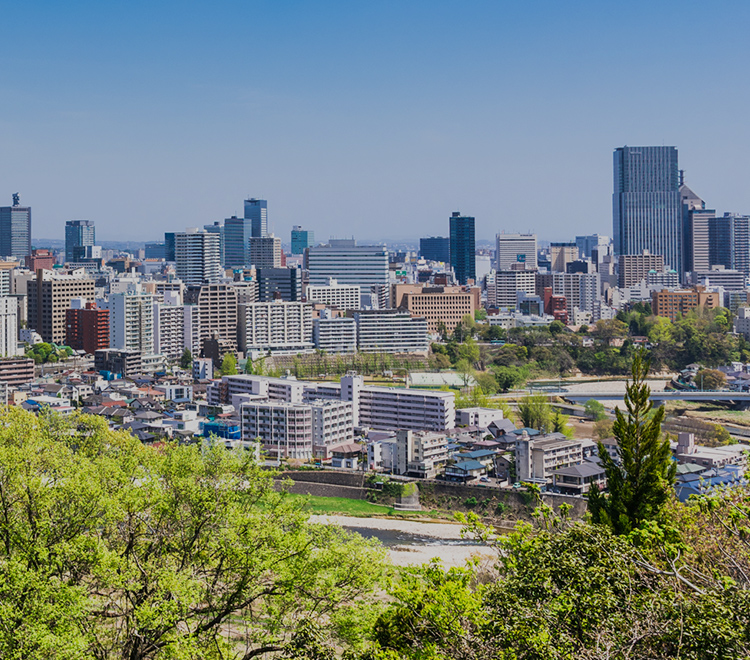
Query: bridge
<point x="657" y="397"/>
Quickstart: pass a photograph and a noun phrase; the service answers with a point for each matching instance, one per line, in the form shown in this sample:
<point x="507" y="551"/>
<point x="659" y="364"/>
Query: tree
<point x="640" y="483"/>
<point x="556" y="327"/>
<point x="534" y="412"/>
<point x="465" y="372"/>
<point x="229" y="365"/>
<point x="594" y="409"/>
<point x="559" y="423"/>
<point x="710" y="379"/>
<point x="486" y="380"/>
<point x="110" y="549"/>
<point x="186" y="361"/>
<point x="469" y="351"/>
<point x="508" y="377"/>
<point x="603" y="428"/>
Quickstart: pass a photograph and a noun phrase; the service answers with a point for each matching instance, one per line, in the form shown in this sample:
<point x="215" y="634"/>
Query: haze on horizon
<point x="368" y="119"/>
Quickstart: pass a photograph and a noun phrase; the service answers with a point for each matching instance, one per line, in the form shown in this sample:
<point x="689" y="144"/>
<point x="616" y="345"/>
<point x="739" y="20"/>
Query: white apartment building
<point x="420" y="454"/>
<point x="335" y="336"/>
<point x="391" y="331"/>
<point x="131" y="322"/>
<point x="373" y="406"/>
<point x="538" y="457"/>
<point x="278" y="326"/>
<point x="9" y="327"/>
<point x="198" y="256"/>
<point x="580" y="290"/>
<point x="503" y="286"/>
<point x="169" y="329"/>
<point x="343" y="296"/>
<point x="191" y="324"/>
<point x="515" y="249"/>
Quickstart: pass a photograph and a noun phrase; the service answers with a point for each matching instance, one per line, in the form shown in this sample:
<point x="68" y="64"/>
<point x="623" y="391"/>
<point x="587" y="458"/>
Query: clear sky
<point x="368" y="118"/>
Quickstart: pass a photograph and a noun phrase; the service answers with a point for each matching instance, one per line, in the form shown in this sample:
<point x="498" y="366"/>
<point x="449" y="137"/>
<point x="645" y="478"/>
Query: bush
<point x="470" y="501"/>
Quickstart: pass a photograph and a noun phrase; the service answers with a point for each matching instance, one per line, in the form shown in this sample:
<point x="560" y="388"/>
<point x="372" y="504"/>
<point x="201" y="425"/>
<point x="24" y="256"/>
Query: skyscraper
<point x="256" y="210"/>
<point x="462" y="247"/>
<point x="78" y="234"/>
<point x="301" y="239"/>
<point x="237" y="235"/>
<point x="514" y="249"/>
<point x="198" y="257"/>
<point x="15" y="230"/>
<point x="646" y="204"/>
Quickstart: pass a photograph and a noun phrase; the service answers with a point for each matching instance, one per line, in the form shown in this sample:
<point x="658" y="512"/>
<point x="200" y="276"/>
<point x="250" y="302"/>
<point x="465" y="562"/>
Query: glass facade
<point x="15" y="231"/>
<point x="462" y="247"/>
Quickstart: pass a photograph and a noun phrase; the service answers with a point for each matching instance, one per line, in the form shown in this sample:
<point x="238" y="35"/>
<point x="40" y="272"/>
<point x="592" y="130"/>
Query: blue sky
<point x="373" y="119"/>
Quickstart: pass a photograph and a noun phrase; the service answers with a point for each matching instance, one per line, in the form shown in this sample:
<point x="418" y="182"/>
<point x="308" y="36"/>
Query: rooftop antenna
<point x="16" y="199"/>
<point x="682" y="177"/>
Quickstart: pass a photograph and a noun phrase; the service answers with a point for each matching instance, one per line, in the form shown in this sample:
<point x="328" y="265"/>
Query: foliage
<point x="710" y="379"/>
<point x="595" y="410"/>
<point x="508" y="378"/>
<point x="487" y="381"/>
<point x="603" y="429"/>
<point x="641" y="481"/>
<point x="229" y="365"/>
<point x="559" y="423"/>
<point x="186" y="359"/>
<point x="534" y="412"/>
<point x="556" y="327"/>
<point x="43" y="352"/>
<point x="109" y="549"/>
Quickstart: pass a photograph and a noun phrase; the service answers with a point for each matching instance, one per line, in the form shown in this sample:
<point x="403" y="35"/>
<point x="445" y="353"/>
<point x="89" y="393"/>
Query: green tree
<point x="110" y="549"/>
<point x="603" y="428"/>
<point x="556" y="327"/>
<point x="486" y="380"/>
<point x="640" y="483"/>
<point x="229" y="365"/>
<point x="595" y="409"/>
<point x="469" y="351"/>
<point x="534" y="412"/>
<point x="710" y="379"/>
<point x="186" y="360"/>
<point x="559" y="423"/>
<point x="508" y="377"/>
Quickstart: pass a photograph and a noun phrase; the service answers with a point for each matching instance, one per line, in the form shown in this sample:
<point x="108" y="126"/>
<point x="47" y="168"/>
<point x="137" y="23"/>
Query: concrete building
<point x="119" y="361"/>
<point x="742" y="322"/>
<point x="333" y="294"/>
<point x="40" y="258"/>
<point x="481" y="417"/>
<point x="503" y="287"/>
<point x="335" y="336"/>
<point x="420" y="454"/>
<point x="301" y="239"/>
<point x="78" y="234"/>
<point x="16" y="371"/>
<point x="277" y="326"/>
<point x="86" y="326"/>
<point x="672" y="304"/>
<point x="131" y="322"/>
<point x="256" y="211"/>
<point x="49" y="296"/>
<point x="203" y="368"/>
<point x="729" y="280"/>
<point x="562" y="254"/>
<point x="538" y="457"/>
<point x="278" y="283"/>
<point x="265" y="252"/>
<point x="9" y="327"/>
<point x="438" y="305"/>
<point x="514" y="249"/>
<point x="237" y="235"/>
<point x="169" y="328"/>
<point x="390" y="331"/>
<point x="365" y="266"/>
<point x="217" y="312"/>
<point x="462" y="247"/>
<point x="634" y="268"/>
<point x="580" y="290"/>
<point x="198" y="257"/>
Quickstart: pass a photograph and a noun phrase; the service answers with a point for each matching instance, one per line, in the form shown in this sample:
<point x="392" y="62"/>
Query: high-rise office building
<point x="647" y="204"/>
<point x="562" y="254"/>
<point x="265" y="252"/>
<point x="9" y="327"/>
<point x="197" y="257"/>
<point x="695" y="217"/>
<point x="729" y="242"/>
<point x="279" y="283"/>
<point x="301" y="239"/>
<point x="462" y="247"/>
<point x="591" y="245"/>
<point x="514" y="251"/>
<point x="435" y="248"/>
<point x="237" y="235"/>
<point x="15" y="230"/>
<point x="169" y="245"/>
<point x="78" y="234"/>
<point x="256" y="210"/>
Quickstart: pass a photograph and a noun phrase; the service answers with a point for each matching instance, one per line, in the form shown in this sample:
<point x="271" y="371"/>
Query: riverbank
<point x="414" y="542"/>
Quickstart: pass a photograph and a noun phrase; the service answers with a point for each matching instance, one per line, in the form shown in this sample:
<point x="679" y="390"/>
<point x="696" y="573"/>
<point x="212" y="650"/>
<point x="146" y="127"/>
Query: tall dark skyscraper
<point x="462" y="247"/>
<point x="78" y="234"/>
<point x="237" y="235"/>
<point x="435" y="248"/>
<point x="647" y="206"/>
<point x="256" y="210"/>
<point x="15" y="230"/>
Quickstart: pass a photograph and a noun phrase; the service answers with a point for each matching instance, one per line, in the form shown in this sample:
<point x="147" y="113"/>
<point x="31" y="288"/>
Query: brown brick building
<point x="87" y="329"/>
<point x="672" y="304"/>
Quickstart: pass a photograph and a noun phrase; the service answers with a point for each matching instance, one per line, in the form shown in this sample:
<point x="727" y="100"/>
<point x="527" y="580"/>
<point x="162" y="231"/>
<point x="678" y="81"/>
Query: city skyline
<point x="334" y="111"/>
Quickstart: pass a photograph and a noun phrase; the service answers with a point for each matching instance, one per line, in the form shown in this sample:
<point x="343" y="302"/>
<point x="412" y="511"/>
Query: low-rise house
<point x="578" y="479"/>
<point x="465" y="471"/>
<point x="346" y="456"/>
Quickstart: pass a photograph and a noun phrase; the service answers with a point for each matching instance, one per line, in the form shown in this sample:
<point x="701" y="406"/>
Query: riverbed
<point x="414" y="542"/>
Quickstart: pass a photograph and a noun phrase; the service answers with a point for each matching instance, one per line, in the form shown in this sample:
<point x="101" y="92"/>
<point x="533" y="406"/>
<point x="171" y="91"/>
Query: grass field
<point x="344" y="506"/>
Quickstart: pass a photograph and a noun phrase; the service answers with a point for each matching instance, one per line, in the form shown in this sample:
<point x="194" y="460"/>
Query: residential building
<point x="335" y="335"/>
<point x="667" y="279"/>
<point x="462" y="247"/>
<point x="420" y="454"/>
<point x="198" y="257"/>
<point x="256" y="211"/>
<point x="647" y="203"/>
<point x="390" y="331"/>
<point x="131" y="322"/>
<point x="742" y="322"/>
<point x="634" y="268"/>
<point x="169" y="328"/>
<point x="49" y="296"/>
<point x="118" y="361"/>
<point x="695" y="230"/>
<point x="301" y="239"/>
<point x="503" y="287"/>
<point x="333" y="294"/>
<point x="15" y="230"/>
<point x="265" y="252"/>
<point x="730" y="280"/>
<point x="672" y="304"/>
<point x="562" y="254"/>
<point x="78" y="234"/>
<point x="580" y="290"/>
<point x="217" y="227"/>
<point x="278" y="283"/>
<point x="435" y="248"/>
<point x="275" y="326"/>
<point x="9" y="327"/>
<point x="480" y="417"/>
<point x="514" y="249"/>
<point x="217" y="313"/>
<point x="365" y="266"/>
<point x="86" y="326"/>
<point x="537" y="457"/>
<point x="577" y="480"/>
<point x="16" y="371"/>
